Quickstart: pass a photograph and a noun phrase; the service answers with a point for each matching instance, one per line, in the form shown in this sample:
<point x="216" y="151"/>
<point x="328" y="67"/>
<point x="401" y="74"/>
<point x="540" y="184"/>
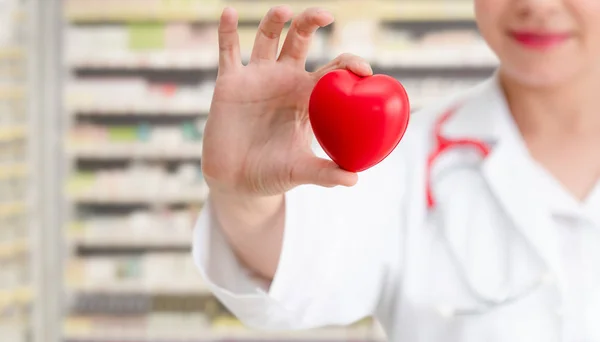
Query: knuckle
<point x="346" y="56"/>
<point x="349" y="60"/>
<point x="225" y="46"/>
<point x="322" y="177"/>
<point x="270" y="34"/>
<point x="304" y="33"/>
<point x="343" y="59"/>
<point x="302" y="29"/>
<point x="304" y="23"/>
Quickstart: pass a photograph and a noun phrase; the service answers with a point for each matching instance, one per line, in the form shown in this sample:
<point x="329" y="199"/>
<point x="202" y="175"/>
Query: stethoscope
<point x="442" y="145"/>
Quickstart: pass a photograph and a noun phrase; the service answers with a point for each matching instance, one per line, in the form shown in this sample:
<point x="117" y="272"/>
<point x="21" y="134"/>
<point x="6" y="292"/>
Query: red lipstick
<point x="536" y="40"/>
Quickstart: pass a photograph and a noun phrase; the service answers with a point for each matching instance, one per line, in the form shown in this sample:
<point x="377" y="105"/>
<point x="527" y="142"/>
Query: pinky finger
<point x="229" y="41"/>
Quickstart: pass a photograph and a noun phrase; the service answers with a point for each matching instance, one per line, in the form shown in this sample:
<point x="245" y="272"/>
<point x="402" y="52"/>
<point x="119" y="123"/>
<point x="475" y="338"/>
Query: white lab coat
<point x="502" y="225"/>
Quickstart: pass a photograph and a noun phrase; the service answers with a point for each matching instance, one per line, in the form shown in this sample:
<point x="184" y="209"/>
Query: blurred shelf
<point x="11" y="93"/>
<point x="173" y="63"/>
<point x="138" y="108"/>
<point x="230" y="334"/>
<point x="195" y="337"/>
<point x="130" y="245"/>
<point x="13" y="322"/>
<point x="11" y="209"/>
<point x="140" y="289"/>
<point x="12" y="171"/>
<point x="13" y="248"/>
<point x="142" y="113"/>
<point x="194" y="11"/>
<point x="103" y="151"/>
<point x="140" y="15"/>
<point x="12" y="133"/>
<point x="18" y="296"/>
<point x="422" y="62"/>
<point x="413" y="10"/>
<point x="155" y="199"/>
<point x="146" y="62"/>
<point x="426" y="10"/>
<point x="11" y="53"/>
<point x="392" y="63"/>
<point x="124" y="241"/>
<point x="212" y="338"/>
<point x="19" y="14"/>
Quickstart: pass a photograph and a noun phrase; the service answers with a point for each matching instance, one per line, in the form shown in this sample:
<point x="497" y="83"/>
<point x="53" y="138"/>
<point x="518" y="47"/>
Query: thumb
<point x="356" y="64"/>
<point x="322" y="172"/>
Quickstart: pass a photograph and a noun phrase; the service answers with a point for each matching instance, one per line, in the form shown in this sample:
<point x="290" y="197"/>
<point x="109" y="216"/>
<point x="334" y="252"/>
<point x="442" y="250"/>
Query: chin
<point x="541" y="74"/>
<point x="551" y="67"/>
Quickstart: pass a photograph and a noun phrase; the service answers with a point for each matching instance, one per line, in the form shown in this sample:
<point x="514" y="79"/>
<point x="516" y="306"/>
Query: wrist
<point x="243" y="200"/>
<point x="243" y="210"/>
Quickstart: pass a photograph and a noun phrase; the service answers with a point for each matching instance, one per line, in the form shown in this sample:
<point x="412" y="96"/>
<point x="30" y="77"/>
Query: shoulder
<point x="418" y="136"/>
<point x="422" y="120"/>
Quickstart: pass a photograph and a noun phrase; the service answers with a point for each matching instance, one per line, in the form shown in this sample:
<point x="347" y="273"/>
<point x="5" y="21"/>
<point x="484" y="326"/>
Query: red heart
<point x="358" y="121"/>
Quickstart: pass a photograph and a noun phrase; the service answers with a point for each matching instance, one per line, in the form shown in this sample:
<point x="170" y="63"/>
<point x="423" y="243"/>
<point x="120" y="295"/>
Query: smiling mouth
<point x="539" y="41"/>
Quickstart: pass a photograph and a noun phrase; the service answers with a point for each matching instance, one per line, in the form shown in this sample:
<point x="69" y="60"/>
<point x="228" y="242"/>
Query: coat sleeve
<point x="340" y="252"/>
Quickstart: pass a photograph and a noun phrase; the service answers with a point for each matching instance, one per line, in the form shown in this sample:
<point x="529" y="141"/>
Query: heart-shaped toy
<point x="358" y="121"/>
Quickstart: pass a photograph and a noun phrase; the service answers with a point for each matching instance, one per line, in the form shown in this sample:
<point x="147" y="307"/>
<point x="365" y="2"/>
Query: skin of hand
<point x="257" y="139"/>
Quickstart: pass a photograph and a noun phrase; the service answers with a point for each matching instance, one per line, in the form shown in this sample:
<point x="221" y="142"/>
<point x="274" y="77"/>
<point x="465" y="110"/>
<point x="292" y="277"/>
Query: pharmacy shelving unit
<point x="17" y="262"/>
<point x="28" y="278"/>
<point x="139" y="81"/>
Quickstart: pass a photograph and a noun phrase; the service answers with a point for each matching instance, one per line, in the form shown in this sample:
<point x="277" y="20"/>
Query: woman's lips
<point x="536" y="40"/>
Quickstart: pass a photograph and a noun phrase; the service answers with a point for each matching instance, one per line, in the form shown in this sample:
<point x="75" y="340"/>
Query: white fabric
<point x="507" y="255"/>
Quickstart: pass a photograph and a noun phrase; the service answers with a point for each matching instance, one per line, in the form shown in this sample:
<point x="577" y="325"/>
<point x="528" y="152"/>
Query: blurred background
<point x="102" y="107"/>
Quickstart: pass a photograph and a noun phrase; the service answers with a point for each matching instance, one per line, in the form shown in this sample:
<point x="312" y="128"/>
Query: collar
<point x="565" y="206"/>
<point x="592" y="205"/>
<point x="483" y="114"/>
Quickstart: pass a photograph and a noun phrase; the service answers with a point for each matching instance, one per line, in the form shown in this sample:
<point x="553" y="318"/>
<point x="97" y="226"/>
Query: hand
<point x="257" y="140"/>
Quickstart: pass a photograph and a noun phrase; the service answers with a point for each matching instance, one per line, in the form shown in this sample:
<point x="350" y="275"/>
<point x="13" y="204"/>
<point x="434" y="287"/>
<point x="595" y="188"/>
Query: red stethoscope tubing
<point x="443" y="144"/>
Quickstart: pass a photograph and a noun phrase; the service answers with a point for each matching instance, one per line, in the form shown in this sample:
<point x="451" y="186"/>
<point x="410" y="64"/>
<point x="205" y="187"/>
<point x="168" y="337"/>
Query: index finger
<point x="229" y="41"/>
<point x="299" y="37"/>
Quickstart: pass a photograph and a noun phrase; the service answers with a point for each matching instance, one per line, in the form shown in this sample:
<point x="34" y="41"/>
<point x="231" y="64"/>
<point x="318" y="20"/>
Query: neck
<point x="572" y="108"/>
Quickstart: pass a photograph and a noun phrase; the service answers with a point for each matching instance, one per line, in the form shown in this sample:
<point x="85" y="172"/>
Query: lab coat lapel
<point x="508" y="169"/>
<point x="509" y="175"/>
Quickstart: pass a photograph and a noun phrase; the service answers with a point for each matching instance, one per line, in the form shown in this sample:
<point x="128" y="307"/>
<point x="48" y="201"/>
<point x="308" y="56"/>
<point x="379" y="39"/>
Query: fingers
<point x="297" y="42"/>
<point x="229" y="41"/>
<point x="357" y="65"/>
<point x="266" y="43"/>
<point x="322" y="172"/>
